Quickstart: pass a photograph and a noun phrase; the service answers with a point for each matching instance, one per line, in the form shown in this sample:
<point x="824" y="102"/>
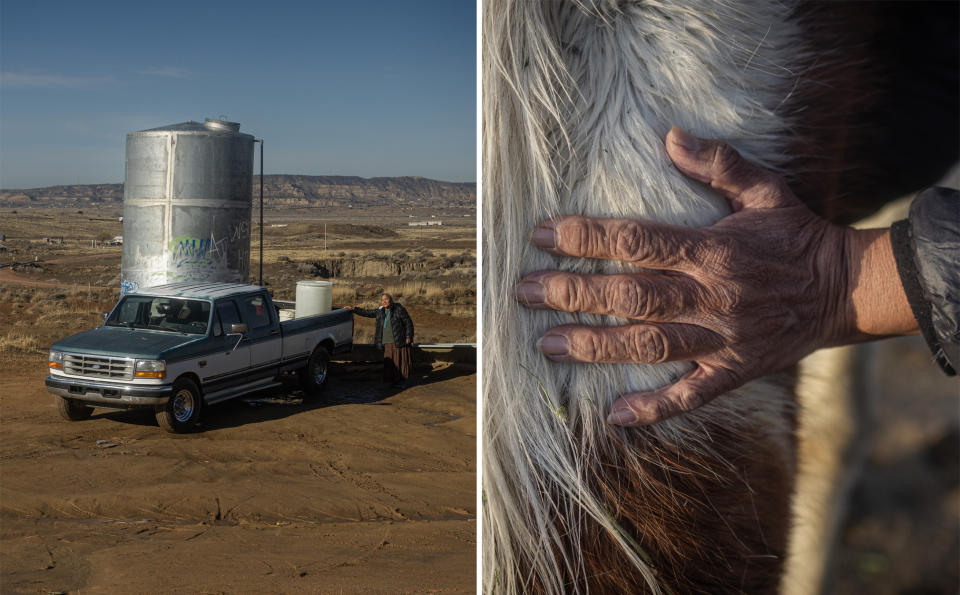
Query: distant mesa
<point x="282" y="189"/>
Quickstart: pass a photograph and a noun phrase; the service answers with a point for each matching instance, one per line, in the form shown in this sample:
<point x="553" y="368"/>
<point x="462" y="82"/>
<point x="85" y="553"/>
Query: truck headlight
<point x="56" y="360"/>
<point x="146" y="368"/>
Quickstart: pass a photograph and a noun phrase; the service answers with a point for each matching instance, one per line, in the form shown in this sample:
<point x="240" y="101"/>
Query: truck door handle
<point x="274" y="332"/>
<point x="202" y="363"/>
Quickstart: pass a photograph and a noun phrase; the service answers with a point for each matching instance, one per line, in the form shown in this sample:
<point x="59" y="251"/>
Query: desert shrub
<point x="283" y="259"/>
<point x="307" y="268"/>
<point x="456" y="295"/>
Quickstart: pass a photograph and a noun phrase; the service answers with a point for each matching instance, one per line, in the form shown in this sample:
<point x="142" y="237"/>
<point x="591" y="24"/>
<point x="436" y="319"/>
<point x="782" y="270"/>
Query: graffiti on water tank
<point x="192" y="258"/>
<point x="186" y="250"/>
<point x="240" y="230"/>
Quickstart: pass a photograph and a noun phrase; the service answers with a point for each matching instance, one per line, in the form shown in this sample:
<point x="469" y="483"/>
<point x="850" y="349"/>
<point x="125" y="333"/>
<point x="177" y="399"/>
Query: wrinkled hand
<point x="349" y="308"/>
<point x="749" y="295"/>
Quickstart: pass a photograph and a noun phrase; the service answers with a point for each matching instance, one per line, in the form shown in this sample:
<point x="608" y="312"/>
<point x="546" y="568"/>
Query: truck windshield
<point x="162" y="314"/>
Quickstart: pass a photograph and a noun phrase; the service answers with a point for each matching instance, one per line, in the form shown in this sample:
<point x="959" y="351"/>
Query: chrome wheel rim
<point x="183" y="405"/>
<point x="319" y="372"/>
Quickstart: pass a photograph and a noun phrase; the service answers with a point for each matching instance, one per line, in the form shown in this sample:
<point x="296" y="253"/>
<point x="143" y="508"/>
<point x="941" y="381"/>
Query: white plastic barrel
<point x="313" y="297"/>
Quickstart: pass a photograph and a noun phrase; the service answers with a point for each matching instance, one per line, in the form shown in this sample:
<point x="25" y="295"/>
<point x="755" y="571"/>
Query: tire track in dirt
<point x="8" y="276"/>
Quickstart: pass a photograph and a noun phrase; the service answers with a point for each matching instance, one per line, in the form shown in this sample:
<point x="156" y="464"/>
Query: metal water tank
<point x="186" y="204"/>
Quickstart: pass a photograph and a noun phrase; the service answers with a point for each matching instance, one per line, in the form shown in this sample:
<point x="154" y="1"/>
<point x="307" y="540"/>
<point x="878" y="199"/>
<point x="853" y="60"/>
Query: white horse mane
<point x="577" y="100"/>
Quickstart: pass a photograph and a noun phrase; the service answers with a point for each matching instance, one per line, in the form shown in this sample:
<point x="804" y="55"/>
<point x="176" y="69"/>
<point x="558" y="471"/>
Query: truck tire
<point x="182" y="410"/>
<point x="314" y="375"/>
<point x="73" y="410"/>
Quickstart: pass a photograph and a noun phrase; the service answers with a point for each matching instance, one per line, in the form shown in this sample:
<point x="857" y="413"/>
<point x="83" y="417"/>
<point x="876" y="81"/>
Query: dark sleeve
<point x="408" y="324"/>
<point x="365" y="312"/>
<point x="927" y="250"/>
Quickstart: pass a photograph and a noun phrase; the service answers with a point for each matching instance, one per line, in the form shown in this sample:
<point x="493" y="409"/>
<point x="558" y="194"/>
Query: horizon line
<point x="256" y="175"/>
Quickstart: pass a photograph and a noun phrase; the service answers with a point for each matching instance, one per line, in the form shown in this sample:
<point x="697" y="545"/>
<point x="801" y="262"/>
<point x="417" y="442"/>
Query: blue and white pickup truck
<point x="176" y="348"/>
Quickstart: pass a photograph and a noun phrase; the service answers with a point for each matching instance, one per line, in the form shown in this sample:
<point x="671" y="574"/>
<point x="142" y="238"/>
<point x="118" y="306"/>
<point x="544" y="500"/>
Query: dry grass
<point x="457" y="297"/>
<point x="464" y="311"/>
<point x="19" y="340"/>
<point x="424" y="293"/>
<point x="427" y="292"/>
<point x="33" y="318"/>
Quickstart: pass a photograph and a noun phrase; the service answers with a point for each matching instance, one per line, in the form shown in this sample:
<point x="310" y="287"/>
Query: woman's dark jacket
<point x="399" y="321"/>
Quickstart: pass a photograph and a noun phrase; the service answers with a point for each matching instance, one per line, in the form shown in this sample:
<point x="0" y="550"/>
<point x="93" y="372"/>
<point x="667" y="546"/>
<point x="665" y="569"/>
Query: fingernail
<point x="688" y="142"/>
<point x="544" y="237"/>
<point x="622" y="416"/>
<point x="554" y="345"/>
<point x="530" y="294"/>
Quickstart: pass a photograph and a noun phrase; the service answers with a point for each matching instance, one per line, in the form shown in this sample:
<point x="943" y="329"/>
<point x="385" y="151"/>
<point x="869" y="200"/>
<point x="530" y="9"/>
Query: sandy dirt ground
<point x="366" y="491"/>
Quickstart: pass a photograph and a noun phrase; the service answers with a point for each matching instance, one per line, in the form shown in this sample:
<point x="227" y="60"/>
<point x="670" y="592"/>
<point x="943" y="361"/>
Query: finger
<point x="656" y="298"/>
<point x="634" y="343"/>
<point x="644" y="243"/>
<point x="695" y="389"/>
<point x="714" y="162"/>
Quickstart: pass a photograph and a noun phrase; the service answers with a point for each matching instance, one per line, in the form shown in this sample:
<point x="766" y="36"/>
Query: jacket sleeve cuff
<point x="926" y="248"/>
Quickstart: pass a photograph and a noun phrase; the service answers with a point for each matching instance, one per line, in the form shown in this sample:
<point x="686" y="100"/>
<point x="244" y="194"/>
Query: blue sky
<point x="364" y="88"/>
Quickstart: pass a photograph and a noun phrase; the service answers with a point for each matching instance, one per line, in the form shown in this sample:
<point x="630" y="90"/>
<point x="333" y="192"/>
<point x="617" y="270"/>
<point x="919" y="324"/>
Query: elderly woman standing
<point x="395" y="335"/>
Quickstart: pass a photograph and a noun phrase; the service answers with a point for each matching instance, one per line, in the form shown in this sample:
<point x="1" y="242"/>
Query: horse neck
<point x="577" y="101"/>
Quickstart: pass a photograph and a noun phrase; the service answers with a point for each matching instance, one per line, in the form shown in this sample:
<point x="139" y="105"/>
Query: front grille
<point x="98" y="366"/>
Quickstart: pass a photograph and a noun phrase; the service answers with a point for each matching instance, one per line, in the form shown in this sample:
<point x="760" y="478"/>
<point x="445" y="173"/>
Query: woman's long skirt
<point x="396" y="363"/>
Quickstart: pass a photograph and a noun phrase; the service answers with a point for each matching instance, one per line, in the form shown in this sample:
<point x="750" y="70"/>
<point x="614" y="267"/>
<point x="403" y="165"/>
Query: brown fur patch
<point x="714" y="521"/>
<point x="708" y="524"/>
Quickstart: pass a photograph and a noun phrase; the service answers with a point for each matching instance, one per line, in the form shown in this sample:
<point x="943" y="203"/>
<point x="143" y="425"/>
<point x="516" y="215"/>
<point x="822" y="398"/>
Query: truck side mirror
<point x="239" y="329"/>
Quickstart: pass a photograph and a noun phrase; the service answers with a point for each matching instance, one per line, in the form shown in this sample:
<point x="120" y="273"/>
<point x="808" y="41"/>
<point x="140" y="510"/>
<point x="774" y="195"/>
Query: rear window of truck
<point x="255" y="311"/>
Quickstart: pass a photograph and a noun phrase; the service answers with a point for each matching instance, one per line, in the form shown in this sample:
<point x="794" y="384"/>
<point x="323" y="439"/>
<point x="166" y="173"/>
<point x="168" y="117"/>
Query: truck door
<point x="227" y="359"/>
<point x="263" y="330"/>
